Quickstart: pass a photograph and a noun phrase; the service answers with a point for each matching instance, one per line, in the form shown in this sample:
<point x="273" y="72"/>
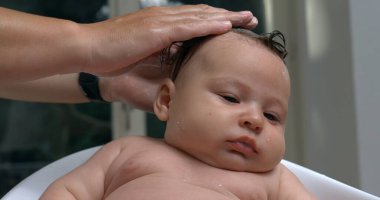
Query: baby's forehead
<point x="231" y="40"/>
<point x="236" y="47"/>
<point x="224" y="45"/>
<point x="239" y="34"/>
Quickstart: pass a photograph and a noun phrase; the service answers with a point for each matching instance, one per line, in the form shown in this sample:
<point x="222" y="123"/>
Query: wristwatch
<point x="90" y="86"/>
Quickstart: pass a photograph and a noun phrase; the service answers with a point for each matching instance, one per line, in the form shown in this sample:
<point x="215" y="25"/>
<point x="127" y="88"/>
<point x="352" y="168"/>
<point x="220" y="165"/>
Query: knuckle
<point x="202" y="16"/>
<point x="150" y="24"/>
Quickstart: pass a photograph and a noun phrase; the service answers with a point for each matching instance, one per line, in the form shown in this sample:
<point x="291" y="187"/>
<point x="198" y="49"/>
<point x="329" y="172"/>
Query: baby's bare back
<point x="150" y="169"/>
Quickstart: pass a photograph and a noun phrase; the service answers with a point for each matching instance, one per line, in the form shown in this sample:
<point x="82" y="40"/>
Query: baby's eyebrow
<point x="227" y="80"/>
<point x="232" y="82"/>
<point x="281" y="105"/>
<point x="245" y="89"/>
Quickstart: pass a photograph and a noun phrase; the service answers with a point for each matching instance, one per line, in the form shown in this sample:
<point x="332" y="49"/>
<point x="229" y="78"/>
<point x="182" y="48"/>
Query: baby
<point x="225" y="108"/>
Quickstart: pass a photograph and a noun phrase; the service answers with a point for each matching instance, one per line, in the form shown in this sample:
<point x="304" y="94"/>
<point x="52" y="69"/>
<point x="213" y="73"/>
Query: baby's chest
<point x="236" y="185"/>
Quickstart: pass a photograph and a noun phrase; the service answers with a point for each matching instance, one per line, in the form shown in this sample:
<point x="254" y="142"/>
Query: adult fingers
<point x="243" y="19"/>
<point x="189" y="8"/>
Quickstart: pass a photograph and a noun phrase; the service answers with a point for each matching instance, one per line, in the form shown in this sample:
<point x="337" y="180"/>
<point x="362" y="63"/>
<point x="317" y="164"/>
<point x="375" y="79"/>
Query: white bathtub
<point x="323" y="187"/>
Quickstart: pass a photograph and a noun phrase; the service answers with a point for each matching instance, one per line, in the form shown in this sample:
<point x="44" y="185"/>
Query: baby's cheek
<point x="268" y="140"/>
<point x="180" y="125"/>
<point x="276" y="144"/>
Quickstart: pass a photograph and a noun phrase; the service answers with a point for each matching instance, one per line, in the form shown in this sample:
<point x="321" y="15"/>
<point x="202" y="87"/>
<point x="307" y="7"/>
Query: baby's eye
<point x="271" y="117"/>
<point x="230" y="99"/>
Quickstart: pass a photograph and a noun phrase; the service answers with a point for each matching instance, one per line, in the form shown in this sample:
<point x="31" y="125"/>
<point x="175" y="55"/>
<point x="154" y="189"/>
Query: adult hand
<point x="137" y="87"/>
<point x="33" y="47"/>
<point x="121" y="41"/>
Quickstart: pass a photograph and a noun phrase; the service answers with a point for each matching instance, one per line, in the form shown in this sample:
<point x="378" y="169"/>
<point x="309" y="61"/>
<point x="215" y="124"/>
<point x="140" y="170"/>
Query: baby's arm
<point x="86" y="181"/>
<point x="291" y="187"/>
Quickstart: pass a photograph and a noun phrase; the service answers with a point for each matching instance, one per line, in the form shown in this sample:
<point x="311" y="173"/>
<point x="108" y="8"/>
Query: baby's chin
<point x="242" y="166"/>
<point x="257" y="169"/>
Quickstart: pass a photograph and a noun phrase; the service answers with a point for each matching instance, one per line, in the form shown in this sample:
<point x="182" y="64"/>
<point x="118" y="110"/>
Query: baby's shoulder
<point x="290" y="186"/>
<point x="137" y="141"/>
<point x="138" y="144"/>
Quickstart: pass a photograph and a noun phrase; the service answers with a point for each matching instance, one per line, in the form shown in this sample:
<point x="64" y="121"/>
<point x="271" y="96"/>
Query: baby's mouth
<point x="245" y="146"/>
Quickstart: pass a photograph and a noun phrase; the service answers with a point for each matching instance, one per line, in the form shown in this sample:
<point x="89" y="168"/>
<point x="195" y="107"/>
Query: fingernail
<point x="254" y="21"/>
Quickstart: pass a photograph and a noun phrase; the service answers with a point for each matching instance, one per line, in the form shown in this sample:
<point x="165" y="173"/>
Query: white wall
<point x="365" y="31"/>
<point x="334" y="58"/>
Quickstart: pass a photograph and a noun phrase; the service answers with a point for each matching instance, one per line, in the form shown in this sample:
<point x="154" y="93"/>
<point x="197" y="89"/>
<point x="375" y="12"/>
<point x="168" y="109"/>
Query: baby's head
<point x="172" y="62"/>
<point x="227" y="99"/>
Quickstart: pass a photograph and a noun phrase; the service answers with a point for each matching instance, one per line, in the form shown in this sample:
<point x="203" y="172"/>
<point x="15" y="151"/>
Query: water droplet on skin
<point x="180" y="125"/>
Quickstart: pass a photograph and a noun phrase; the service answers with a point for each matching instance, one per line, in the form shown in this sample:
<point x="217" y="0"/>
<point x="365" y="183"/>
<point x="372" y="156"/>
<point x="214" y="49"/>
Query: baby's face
<point x="230" y="104"/>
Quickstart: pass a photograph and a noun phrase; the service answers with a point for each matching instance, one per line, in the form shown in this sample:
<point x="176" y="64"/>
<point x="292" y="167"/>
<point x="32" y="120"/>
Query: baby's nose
<point x="253" y="120"/>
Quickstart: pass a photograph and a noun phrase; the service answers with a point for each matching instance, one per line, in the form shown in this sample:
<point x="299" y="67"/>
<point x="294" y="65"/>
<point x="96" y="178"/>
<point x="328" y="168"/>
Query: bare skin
<point x="34" y="47"/>
<point x="41" y="56"/>
<point x="126" y="167"/>
<point x="137" y="88"/>
<point x="224" y="136"/>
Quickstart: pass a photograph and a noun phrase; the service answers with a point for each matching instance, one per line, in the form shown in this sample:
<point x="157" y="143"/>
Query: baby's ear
<point x="164" y="97"/>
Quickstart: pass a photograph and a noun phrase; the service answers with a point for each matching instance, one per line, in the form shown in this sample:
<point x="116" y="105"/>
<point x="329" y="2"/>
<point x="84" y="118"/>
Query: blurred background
<point x="333" y="60"/>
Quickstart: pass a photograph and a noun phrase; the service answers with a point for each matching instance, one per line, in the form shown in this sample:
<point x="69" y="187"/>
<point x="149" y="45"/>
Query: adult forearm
<point x="33" y="46"/>
<point x="54" y="89"/>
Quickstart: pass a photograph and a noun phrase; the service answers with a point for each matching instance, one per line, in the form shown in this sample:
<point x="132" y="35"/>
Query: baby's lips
<point x="244" y="145"/>
<point x="242" y="148"/>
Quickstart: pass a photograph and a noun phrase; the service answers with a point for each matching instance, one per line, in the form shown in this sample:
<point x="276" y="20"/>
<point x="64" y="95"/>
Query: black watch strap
<point x="90" y="86"/>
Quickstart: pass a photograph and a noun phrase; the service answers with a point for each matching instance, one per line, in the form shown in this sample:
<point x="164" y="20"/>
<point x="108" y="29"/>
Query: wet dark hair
<point x="171" y="63"/>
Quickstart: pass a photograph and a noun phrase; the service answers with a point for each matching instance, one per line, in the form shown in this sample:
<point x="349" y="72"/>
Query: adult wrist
<point x="105" y="88"/>
<point x="76" y="46"/>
